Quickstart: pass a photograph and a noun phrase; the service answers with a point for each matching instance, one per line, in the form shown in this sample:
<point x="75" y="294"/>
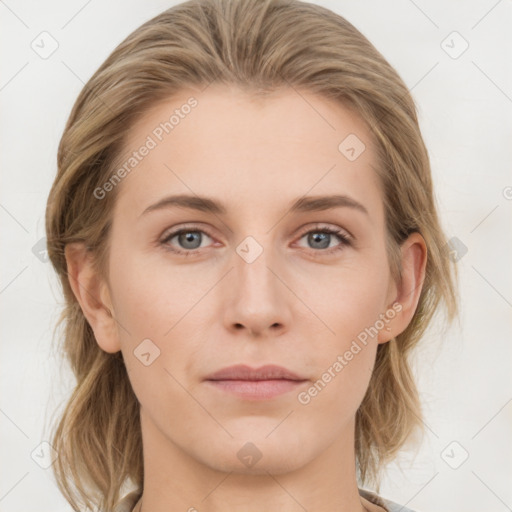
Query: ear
<point x="91" y="292"/>
<point x="408" y="291"/>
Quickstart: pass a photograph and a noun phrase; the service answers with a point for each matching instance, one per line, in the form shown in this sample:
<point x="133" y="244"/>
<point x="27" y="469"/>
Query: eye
<point x="320" y="238"/>
<point x="189" y="239"/>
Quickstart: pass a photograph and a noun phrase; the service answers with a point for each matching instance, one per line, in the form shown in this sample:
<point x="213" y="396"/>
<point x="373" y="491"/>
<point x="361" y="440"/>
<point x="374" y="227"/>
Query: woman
<point x="244" y="226"/>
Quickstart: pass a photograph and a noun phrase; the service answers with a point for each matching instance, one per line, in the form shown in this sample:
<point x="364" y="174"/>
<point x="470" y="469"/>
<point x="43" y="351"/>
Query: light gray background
<point x="465" y="108"/>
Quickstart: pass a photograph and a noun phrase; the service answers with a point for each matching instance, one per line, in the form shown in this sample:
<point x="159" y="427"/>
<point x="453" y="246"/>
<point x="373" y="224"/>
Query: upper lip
<point x="244" y="372"/>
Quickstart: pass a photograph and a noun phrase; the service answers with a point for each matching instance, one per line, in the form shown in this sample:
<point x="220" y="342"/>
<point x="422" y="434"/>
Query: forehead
<point x="226" y="143"/>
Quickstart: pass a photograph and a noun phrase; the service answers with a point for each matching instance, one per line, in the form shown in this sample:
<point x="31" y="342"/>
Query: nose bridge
<point x="258" y="299"/>
<point x="253" y="260"/>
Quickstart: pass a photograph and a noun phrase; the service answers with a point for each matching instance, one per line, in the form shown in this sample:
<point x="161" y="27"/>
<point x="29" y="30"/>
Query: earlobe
<point x="91" y="292"/>
<point x="408" y="291"/>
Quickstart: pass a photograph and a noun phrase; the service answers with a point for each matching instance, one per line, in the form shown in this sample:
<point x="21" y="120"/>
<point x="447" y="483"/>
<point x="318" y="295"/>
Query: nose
<point x="259" y="301"/>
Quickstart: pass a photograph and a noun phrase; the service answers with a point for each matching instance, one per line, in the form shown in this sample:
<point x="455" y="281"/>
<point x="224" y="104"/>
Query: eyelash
<point x="345" y="240"/>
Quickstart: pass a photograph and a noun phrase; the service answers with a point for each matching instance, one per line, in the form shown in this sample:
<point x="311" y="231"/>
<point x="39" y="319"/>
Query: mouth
<point x="262" y="383"/>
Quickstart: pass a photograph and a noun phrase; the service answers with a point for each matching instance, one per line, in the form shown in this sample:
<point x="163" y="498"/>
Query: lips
<point x="244" y="372"/>
<point x="255" y="384"/>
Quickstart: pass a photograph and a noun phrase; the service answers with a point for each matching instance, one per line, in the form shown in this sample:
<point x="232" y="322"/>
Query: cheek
<point x="344" y="355"/>
<point x="351" y="305"/>
<point x="351" y="299"/>
<point x="148" y="299"/>
<point x="156" y="306"/>
<point x="150" y="311"/>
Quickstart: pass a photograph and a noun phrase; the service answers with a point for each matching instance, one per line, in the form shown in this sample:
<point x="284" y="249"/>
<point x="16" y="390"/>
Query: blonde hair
<point x="257" y="46"/>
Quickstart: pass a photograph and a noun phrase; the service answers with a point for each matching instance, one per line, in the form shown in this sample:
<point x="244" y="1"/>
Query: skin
<point x="294" y="306"/>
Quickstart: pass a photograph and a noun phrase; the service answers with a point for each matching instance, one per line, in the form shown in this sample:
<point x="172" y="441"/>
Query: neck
<point x="175" y="480"/>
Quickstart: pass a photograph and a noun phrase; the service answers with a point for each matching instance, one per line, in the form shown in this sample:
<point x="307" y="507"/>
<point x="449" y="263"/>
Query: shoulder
<point x="388" y="505"/>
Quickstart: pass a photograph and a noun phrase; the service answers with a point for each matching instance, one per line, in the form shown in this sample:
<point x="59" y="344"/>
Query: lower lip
<point x="257" y="389"/>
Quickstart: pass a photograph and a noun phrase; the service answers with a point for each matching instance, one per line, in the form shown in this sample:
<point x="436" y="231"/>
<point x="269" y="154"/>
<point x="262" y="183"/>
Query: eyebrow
<point x="303" y="204"/>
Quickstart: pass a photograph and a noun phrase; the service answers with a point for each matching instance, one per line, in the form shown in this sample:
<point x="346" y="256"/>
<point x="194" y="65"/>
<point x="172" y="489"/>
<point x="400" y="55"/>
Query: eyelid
<point x="320" y="226"/>
<point x="184" y="227"/>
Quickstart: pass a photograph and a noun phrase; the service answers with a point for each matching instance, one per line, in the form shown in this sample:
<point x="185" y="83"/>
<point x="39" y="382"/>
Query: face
<point x="254" y="279"/>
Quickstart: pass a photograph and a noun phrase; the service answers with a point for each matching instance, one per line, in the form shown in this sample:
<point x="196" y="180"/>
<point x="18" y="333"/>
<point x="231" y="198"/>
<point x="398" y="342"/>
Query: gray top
<point x="129" y="501"/>
<point x="388" y="505"/>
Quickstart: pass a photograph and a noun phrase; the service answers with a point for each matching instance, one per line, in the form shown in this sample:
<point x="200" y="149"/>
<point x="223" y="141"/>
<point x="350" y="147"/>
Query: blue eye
<point x="189" y="240"/>
<point x="322" y="238"/>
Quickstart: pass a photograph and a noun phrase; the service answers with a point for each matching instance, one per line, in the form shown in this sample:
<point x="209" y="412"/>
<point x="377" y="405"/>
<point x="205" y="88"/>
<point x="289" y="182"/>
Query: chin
<point x="256" y="455"/>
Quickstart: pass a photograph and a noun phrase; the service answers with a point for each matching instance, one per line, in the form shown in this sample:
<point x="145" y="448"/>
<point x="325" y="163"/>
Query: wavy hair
<point x="258" y="46"/>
